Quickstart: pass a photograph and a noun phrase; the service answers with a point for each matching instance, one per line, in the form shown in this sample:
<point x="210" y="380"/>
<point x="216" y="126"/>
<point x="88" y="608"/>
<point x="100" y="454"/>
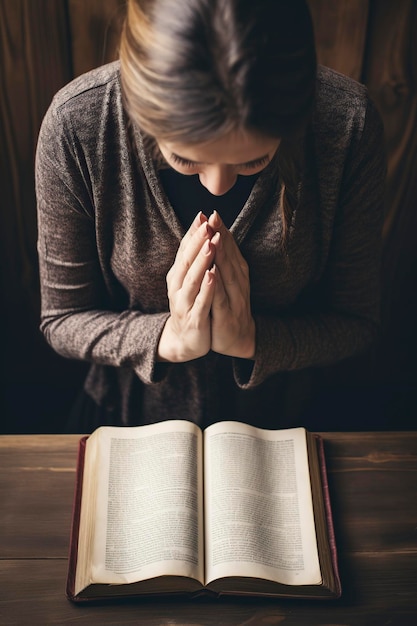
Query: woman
<point x="209" y="216"/>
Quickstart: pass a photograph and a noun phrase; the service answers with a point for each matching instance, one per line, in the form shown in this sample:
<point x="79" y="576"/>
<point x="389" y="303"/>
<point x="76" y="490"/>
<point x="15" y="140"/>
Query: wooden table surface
<point x="373" y="489"/>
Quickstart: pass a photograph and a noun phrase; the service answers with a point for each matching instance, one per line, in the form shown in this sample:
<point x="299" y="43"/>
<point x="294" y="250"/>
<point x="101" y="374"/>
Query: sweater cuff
<point x="148" y="368"/>
<point x="243" y="372"/>
<point x="251" y="373"/>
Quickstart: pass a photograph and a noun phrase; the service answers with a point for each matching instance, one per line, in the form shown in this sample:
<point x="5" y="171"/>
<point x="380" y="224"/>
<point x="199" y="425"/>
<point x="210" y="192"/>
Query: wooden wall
<point x="44" y="43"/>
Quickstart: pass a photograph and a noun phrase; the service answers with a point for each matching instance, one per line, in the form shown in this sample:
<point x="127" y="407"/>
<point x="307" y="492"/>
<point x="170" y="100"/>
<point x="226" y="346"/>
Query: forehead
<point x="235" y="147"/>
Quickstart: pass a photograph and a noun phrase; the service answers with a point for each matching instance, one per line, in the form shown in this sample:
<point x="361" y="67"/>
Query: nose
<point x="218" y="179"/>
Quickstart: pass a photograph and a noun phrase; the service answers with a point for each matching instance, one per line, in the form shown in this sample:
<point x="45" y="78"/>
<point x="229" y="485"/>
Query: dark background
<point x="45" y="43"/>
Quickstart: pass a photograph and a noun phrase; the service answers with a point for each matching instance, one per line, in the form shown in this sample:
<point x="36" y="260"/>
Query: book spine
<point x="329" y="515"/>
<point x="75" y="525"/>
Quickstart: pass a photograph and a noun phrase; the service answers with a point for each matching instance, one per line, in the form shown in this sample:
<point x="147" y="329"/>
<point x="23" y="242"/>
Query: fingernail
<point x="200" y="218"/>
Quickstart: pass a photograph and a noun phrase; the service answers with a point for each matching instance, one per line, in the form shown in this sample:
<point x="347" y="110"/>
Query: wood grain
<point x="340" y="30"/>
<point x="34" y="63"/>
<point x="372" y="597"/>
<point x="373" y="482"/>
<point x="35" y="518"/>
<point x="391" y="75"/>
<point x="95" y="27"/>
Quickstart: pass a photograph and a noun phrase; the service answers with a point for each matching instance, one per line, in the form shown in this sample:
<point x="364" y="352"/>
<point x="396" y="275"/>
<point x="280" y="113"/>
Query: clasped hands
<point x="209" y="296"/>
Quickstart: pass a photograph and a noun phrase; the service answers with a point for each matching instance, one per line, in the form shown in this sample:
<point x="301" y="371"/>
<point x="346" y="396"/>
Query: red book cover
<point x="329" y="515"/>
<point x="73" y="547"/>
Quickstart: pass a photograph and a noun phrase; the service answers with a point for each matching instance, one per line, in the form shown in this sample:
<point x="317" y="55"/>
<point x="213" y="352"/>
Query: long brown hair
<point x="194" y="70"/>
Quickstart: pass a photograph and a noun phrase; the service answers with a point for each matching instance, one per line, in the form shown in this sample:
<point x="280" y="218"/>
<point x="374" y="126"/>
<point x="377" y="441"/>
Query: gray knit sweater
<point x="108" y="236"/>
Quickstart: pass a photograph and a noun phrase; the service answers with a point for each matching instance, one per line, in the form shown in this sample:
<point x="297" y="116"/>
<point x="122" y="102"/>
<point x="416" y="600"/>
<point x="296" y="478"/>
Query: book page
<point x="259" y="518"/>
<point x="149" y="519"/>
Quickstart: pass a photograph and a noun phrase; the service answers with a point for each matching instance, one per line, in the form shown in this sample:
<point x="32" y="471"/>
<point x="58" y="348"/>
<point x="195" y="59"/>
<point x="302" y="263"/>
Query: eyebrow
<point x="246" y="164"/>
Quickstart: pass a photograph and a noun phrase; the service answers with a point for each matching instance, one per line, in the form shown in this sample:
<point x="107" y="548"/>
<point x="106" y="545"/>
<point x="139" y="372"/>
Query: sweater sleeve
<point x="340" y="317"/>
<point x="78" y="317"/>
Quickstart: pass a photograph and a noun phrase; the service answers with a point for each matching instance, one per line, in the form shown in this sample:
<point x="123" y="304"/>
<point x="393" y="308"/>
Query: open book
<point x="170" y="509"/>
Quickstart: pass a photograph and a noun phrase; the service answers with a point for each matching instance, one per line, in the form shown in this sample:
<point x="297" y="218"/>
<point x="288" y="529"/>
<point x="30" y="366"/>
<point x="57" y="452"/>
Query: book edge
<point x="329" y="514"/>
<point x="75" y="521"/>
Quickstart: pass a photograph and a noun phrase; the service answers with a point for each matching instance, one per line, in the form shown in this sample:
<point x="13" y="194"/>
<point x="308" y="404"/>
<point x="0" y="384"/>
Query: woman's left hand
<point x="232" y="325"/>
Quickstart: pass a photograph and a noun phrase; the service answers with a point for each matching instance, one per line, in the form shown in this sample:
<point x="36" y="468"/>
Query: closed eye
<point x="256" y="163"/>
<point x="247" y="166"/>
<point x="183" y="162"/>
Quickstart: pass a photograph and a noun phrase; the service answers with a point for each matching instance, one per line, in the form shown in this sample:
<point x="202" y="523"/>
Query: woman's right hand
<point x="186" y="334"/>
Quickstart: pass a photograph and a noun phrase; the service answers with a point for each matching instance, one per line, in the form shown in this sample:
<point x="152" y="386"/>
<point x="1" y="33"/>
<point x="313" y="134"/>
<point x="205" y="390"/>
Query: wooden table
<point x="373" y="487"/>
